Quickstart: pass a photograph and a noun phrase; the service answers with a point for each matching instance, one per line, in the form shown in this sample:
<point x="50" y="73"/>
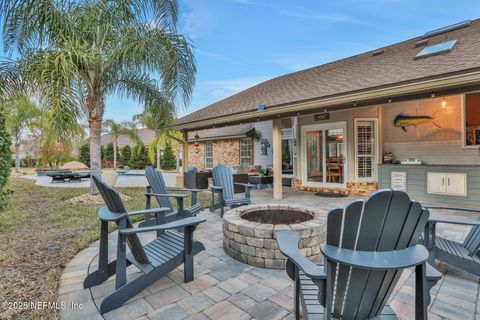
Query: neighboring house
<point x="349" y="114"/>
<point x="146" y="135"/>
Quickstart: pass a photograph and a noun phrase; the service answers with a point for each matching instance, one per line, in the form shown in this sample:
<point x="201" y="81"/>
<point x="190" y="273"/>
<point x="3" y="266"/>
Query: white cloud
<point x="334" y="17"/>
<point x="198" y="21"/>
<point x="220" y="89"/>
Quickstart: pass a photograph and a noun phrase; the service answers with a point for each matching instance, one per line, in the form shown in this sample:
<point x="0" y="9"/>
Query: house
<point x="416" y="102"/>
<point x="145" y="135"/>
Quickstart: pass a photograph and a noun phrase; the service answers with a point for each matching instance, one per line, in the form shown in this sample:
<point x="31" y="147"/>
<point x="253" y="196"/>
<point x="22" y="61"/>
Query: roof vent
<point x="421" y="43"/>
<point x="378" y="52"/>
<point x="452" y="27"/>
<point x="436" y="49"/>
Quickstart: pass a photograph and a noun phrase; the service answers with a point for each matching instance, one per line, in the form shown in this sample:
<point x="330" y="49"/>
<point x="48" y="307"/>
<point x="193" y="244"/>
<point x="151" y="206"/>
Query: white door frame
<point x="374" y="178"/>
<point x="324" y="126"/>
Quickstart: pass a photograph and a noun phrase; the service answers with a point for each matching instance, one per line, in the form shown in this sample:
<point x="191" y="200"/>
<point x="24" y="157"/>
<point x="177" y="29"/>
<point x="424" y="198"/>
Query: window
<point x="209" y="155"/>
<point x="246" y="148"/>
<point x="472" y="119"/>
<point x="366" y="145"/>
<point x="436" y="49"/>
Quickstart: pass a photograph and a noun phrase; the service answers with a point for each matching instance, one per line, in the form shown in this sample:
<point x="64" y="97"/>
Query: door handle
<point x="448" y="181"/>
<point x="443" y="181"/>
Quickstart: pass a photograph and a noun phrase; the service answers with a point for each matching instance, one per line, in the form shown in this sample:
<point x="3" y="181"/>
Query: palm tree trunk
<point x="95" y="106"/>
<point x="158" y="158"/>
<point x="17" y="158"/>
<point x="115" y="153"/>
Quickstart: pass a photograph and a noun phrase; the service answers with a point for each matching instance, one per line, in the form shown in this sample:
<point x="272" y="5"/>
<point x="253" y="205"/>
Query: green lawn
<point x="39" y="234"/>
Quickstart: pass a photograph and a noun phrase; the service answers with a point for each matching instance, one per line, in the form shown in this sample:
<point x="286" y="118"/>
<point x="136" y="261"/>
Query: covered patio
<point x="224" y="285"/>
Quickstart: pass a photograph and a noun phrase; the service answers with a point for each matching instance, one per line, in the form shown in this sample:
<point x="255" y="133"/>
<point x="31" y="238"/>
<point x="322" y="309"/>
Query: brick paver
<point x="227" y="289"/>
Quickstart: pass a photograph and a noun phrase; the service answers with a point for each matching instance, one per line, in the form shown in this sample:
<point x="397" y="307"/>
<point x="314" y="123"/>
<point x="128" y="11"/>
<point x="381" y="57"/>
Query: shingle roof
<point x="396" y="65"/>
<point x="146" y="135"/>
<point x="222" y="133"/>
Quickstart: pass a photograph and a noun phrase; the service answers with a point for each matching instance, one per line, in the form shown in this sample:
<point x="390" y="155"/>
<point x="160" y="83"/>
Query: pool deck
<point x="225" y="288"/>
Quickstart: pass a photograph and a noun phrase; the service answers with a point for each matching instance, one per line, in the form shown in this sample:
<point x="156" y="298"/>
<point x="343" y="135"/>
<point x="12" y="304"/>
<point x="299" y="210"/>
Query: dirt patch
<point x="92" y="199"/>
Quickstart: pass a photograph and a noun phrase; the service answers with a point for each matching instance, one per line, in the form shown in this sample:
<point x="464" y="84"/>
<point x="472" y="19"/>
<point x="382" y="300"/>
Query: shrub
<point x="5" y="160"/>
<point x="108" y="153"/>
<point x="168" y="160"/>
<point x="126" y="156"/>
<point x="140" y="157"/>
<point x="29" y="162"/>
<point x="84" y="154"/>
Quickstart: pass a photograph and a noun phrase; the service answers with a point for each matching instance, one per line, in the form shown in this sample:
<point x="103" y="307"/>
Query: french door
<point x="324" y="159"/>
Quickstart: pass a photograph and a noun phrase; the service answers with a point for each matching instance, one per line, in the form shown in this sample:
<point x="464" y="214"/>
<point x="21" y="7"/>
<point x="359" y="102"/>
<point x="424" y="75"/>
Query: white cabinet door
<point x="436" y="182"/>
<point x="457" y="184"/>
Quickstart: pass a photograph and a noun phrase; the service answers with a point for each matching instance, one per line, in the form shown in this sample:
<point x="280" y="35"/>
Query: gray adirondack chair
<point x="155" y="259"/>
<point x="368" y="245"/>
<point x="158" y="189"/>
<point x="223" y="185"/>
<point x="465" y="255"/>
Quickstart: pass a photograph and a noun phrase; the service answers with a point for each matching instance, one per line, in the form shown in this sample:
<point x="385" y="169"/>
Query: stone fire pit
<point x="249" y="232"/>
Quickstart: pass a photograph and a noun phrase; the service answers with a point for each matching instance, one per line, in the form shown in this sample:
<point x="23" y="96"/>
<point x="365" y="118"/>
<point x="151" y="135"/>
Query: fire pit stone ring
<point x="249" y="232"/>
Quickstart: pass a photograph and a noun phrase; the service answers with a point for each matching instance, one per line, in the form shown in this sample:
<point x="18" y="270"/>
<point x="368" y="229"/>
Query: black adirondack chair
<point x="368" y="245"/>
<point x="158" y="189"/>
<point x="223" y="185"/>
<point x="157" y="258"/>
<point x="465" y="255"/>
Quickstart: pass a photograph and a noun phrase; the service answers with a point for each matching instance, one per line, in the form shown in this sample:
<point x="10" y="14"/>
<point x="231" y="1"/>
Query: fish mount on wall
<point x="403" y="121"/>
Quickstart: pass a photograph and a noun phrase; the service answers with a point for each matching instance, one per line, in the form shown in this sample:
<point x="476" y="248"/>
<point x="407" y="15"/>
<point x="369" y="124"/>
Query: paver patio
<point x="228" y="289"/>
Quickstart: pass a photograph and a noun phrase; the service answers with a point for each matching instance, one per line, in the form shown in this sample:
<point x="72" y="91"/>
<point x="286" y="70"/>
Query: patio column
<point x="185" y="151"/>
<point x="277" y="159"/>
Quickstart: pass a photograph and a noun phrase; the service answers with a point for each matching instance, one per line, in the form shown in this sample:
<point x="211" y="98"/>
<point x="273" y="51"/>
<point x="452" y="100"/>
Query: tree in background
<point x="117" y="129"/>
<point x="84" y="154"/>
<point x="140" y="156"/>
<point x="5" y="157"/>
<point x="169" y="161"/>
<point x="109" y="152"/>
<point x="127" y="156"/>
<point x="160" y="121"/>
<point x="22" y="114"/>
<point x="76" y="53"/>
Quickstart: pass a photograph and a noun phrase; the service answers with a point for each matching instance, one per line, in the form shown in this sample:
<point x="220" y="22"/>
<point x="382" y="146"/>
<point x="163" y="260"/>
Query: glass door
<point x="324" y="154"/>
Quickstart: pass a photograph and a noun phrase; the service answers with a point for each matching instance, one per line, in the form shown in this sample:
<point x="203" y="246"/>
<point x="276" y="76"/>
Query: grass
<point x="39" y="234"/>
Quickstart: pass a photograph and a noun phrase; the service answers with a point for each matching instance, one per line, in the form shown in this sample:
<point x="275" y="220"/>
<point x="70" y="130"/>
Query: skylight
<point x="440" y="48"/>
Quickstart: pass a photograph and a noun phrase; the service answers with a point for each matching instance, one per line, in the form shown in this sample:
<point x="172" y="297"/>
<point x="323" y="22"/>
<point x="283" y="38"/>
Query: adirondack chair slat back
<point x="223" y="177"/>
<point x="155" y="179"/>
<point x="387" y="220"/>
<point x="472" y="241"/>
<point x="115" y="205"/>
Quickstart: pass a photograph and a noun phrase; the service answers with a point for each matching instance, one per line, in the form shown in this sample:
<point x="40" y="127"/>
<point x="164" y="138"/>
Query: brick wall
<point x="224" y="151"/>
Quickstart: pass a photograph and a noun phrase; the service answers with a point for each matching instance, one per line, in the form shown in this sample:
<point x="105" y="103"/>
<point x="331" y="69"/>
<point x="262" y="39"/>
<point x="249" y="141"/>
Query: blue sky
<point x="240" y="43"/>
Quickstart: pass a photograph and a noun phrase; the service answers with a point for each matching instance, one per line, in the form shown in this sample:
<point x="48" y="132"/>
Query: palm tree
<point x="160" y="120"/>
<point x="78" y="52"/>
<point x="22" y="114"/>
<point x="117" y="129"/>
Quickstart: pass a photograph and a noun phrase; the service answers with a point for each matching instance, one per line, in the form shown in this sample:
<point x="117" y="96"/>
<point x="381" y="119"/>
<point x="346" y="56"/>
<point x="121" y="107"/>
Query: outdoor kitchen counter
<point x="416" y="181"/>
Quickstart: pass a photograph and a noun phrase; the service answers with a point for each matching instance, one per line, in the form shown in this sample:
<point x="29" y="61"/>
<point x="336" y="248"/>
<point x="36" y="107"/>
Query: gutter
<point x="404" y="90"/>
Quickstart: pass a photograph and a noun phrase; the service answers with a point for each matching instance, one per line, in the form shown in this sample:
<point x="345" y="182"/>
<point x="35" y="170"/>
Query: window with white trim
<point x="209" y="155"/>
<point x="246" y="152"/>
<point x="472" y="119"/>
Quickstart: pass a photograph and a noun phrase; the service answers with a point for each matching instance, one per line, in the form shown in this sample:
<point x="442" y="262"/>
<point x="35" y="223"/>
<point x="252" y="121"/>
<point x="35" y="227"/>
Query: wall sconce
<point x="444" y="103"/>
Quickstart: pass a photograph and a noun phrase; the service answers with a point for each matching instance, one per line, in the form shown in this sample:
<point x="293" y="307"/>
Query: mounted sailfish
<point x="403" y="121"/>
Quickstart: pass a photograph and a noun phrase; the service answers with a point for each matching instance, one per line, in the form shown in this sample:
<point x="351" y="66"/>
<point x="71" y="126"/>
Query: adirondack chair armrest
<point x="288" y="244"/>
<point x="187" y="222"/>
<point x="216" y="188"/>
<point x="193" y="194"/>
<point x="452" y="208"/>
<point x="375" y="260"/>
<point x="448" y="220"/>
<point x="170" y="195"/>
<point x="148" y="211"/>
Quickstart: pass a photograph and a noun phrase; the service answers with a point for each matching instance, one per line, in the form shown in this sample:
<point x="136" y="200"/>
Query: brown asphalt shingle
<point x="395" y="66"/>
